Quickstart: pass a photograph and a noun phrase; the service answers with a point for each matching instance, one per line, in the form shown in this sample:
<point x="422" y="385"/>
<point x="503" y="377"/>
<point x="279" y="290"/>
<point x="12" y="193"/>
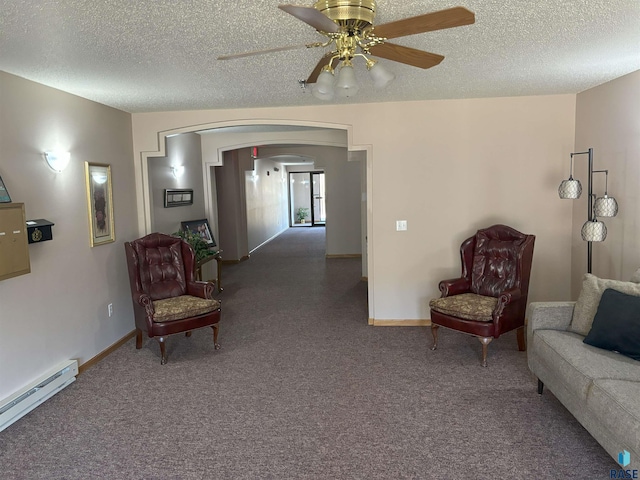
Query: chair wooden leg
<point x="138" y="339"/>
<point x="485" y="342"/>
<point x="163" y="351"/>
<point x="188" y="334"/>
<point x="434" y="333"/>
<point x="216" y="345"/>
<point x="522" y="344"/>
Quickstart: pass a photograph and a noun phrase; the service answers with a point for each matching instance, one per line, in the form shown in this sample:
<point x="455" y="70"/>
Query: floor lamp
<point x="593" y="229"/>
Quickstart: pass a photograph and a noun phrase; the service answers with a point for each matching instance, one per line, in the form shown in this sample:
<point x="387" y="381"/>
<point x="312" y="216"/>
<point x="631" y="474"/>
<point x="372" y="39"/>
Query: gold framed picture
<point x="100" y="203"/>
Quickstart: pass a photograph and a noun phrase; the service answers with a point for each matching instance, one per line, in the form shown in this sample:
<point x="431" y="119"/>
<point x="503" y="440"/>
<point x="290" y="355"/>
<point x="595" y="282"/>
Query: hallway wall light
<point x="57" y="160"/>
<point x="177" y="171"/>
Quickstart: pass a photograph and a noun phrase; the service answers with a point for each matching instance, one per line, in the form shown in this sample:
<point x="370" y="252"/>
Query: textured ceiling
<point x="157" y="55"/>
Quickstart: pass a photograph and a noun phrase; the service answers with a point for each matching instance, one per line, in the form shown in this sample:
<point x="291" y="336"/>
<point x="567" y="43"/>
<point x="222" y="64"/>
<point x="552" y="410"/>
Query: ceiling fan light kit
<point x="380" y="75"/>
<point x="349" y="27"/>
<point x="323" y="88"/>
<point x="347" y="85"/>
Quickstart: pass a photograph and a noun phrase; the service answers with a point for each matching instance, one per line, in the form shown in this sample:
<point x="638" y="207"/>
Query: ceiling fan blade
<point x="260" y="52"/>
<point x="313" y="17"/>
<point x="449" y="18"/>
<point x="323" y="61"/>
<point x="407" y="55"/>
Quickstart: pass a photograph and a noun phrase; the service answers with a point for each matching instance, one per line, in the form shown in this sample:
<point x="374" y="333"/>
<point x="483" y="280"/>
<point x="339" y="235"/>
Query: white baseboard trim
<point x="268" y="240"/>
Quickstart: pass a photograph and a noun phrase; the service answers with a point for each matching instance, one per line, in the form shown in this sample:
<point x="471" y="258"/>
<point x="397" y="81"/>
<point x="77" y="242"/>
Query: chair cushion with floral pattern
<point x="469" y="306"/>
<point x="183" y="306"/>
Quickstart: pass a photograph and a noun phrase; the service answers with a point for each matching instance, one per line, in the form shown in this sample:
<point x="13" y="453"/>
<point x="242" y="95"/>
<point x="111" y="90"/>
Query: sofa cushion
<point x="589" y="298"/>
<point x="616" y="326"/>
<point x="184" y="306"/>
<point x="466" y="305"/>
<point x="577" y="364"/>
<point x="616" y="403"/>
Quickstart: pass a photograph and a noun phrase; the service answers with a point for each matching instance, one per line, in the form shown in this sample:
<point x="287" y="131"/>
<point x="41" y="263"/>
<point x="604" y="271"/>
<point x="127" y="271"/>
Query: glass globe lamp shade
<point x="593" y="231"/>
<point x="323" y="88"/>
<point x="346" y="86"/>
<point x="605" y="206"/>
<point x="381" y="76"/>
<point x="570" y="189"/>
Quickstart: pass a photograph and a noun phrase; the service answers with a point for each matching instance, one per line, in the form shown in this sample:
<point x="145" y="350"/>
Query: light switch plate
<point x="401" y="225"/>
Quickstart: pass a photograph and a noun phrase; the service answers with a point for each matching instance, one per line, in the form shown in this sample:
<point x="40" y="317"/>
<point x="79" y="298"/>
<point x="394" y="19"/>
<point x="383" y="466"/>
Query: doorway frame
<point x="143" y="194"/>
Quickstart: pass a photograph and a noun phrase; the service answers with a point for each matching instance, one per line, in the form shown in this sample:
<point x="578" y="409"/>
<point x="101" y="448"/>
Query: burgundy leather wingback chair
<point x="166" y="297"/>
<point x="490" y="298"/>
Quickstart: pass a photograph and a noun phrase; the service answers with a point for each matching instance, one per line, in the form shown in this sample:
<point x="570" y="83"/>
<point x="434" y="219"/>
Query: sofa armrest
<point x="548" y="316"/>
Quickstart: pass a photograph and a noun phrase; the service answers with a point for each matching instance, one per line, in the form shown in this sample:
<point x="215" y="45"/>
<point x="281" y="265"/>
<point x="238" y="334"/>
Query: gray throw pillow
<point x="589" y="298"/>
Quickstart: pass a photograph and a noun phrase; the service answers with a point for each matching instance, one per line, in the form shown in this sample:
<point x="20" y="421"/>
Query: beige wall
<point x="608" y="120"/>
<point x="182" y="150"/>
<point x="267" y="205"/>
<point x="231" y="204"/>
<point x="59" y="310"/>
<point x="448" y="167"/>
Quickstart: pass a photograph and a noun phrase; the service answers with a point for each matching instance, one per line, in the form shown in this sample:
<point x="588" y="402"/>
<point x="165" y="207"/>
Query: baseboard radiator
<point x="47" y="385"/>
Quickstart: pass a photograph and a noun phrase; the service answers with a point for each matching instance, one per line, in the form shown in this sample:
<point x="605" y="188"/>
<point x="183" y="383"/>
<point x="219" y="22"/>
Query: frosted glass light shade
<point x="381" y="76"/>
<point x="347" y="86"/>
<point x="593" y="231"/>
<point x="570" y="189"/>
<point x="323" y="88"/>
<point x="58" y="161"/>
<point x="605" y="206"/>
<point x="177" y="171"/>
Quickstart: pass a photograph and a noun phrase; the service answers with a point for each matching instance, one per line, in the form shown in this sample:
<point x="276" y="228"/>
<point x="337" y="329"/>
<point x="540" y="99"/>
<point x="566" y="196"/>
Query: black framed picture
<point x="200" y="228"/>
<point x="4" y="194"/>
<point x="177" y="198"/>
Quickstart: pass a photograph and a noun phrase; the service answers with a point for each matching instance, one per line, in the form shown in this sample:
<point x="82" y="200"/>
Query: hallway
<point x="289" y="280"/>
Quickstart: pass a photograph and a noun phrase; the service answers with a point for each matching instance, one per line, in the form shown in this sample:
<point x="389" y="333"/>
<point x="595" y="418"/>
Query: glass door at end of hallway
<point x="317" y="192"/>
<point x="307" y="199"/>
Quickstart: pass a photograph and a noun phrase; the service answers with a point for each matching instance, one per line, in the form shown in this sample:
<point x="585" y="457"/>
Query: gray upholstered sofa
<point x="601" y="388"/>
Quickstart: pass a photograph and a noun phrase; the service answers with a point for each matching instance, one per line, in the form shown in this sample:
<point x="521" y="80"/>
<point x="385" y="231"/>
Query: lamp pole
<point x="589" y="203"/>
<point x="590" y="207"/>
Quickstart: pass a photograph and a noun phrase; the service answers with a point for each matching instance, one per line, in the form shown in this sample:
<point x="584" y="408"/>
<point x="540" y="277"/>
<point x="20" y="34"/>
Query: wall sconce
<point x="593" y="229"/>
<point x="177" y="171"/>
<point x="58" y="161"/>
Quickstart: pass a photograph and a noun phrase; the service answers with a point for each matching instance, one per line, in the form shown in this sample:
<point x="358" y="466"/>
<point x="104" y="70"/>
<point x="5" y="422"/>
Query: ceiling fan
<point x="350" y="31"/>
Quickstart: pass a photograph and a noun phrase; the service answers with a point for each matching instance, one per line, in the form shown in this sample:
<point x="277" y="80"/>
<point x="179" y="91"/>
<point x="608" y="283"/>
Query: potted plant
<point x="301" y="214"/>
<point x="197" y="243"/>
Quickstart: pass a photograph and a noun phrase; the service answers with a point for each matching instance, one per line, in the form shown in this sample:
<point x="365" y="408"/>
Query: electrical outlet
<point x="110" y="308"/>
<point x="401" y="225"/>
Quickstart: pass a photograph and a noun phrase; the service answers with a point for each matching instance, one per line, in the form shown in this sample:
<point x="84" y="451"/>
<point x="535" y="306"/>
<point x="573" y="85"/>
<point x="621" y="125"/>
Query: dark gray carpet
<point x="303" y="389"/>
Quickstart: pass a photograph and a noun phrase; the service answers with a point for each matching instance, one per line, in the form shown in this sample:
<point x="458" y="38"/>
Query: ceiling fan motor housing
<point x="353" y="15"/>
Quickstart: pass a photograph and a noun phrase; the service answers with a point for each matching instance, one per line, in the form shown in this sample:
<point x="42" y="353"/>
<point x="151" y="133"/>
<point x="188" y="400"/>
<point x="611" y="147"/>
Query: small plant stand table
<point x="217" y="256"/>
